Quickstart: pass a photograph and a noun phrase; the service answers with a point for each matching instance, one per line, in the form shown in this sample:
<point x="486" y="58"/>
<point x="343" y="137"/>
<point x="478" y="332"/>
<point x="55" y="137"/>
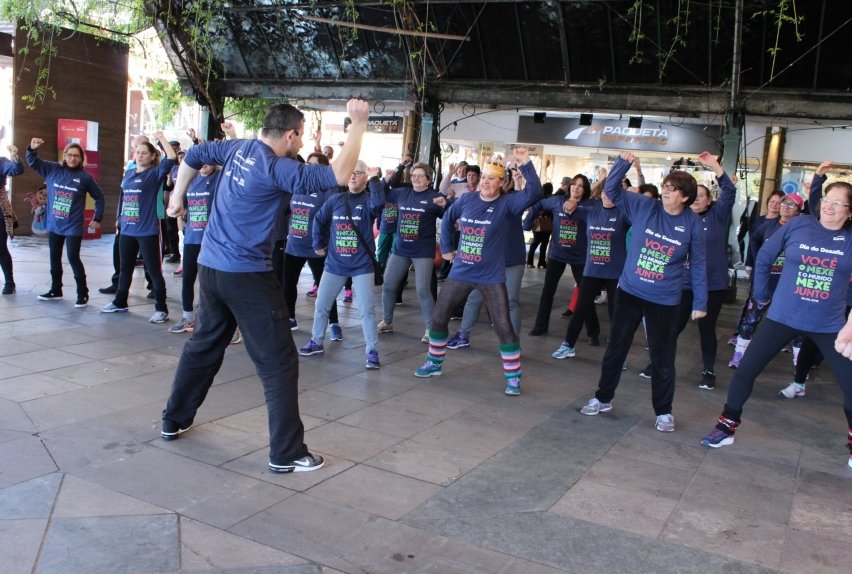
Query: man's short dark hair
<point x="281" y="118"/>
<point x="474" y="169"/>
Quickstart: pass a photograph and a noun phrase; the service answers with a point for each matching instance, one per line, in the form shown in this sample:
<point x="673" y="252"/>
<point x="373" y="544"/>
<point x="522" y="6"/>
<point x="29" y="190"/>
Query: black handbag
<point x="378" y="272"/>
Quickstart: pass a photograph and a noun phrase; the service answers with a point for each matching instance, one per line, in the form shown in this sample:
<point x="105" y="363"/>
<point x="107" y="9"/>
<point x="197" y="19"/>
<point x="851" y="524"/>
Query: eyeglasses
<point x="418" y="176"/>
<point x="670" y="187"/>
<point x="834" y="203"/>
<point x="789" y="204"/>
<point x="78" y="156"/>
<point x="359" y="173"/>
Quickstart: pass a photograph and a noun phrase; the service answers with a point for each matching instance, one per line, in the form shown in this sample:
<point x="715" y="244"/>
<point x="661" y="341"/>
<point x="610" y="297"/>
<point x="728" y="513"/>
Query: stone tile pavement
<point x="440" y="475"/>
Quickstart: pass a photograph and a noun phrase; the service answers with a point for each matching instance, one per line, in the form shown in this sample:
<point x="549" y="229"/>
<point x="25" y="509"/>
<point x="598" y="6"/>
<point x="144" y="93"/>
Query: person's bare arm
<point x="344" y="165"/>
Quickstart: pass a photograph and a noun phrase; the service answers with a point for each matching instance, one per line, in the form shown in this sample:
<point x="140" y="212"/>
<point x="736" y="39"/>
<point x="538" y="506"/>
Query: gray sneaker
<point x="665" y="423"/>
<point x="159" y="317"/>
<point x="183" y="326"/>
<point x="594" y="407"/>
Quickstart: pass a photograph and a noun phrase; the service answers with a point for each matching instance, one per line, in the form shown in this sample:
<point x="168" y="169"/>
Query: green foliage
<point x="249" y="111"/>
<point x="169" y="99"/>
<point x="784" y="13"/>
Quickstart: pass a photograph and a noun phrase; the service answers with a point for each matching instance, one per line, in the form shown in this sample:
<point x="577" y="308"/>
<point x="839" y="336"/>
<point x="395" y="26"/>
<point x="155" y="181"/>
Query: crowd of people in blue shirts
<point x="254" y="213"/>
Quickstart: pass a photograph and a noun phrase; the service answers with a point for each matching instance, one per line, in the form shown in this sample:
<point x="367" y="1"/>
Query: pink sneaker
<point x="347" y="296"/>
<point x="312" y="292"/>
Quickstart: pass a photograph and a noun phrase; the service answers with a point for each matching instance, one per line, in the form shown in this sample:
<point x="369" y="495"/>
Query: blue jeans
<point x="514" y="276"/>
<point x="329" y="288"/>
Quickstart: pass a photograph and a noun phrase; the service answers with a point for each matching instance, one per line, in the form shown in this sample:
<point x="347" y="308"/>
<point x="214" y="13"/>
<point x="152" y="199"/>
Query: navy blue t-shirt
<point x="303" y="209"/>
<point x="659" y="245"/>
<point x="138" y="213"/>
<point x="333" y="230"/>
<point x="199" y="200"/>
<point x="416" y="220"/>
<point x="715" y="224"/>
<point x="606" y="230"/>
<point x="66" y="195"/>
<point x="568" y="238"/>
<point x="481" y="254"/>
<point x="813" y="288"/>
<point x="248" y="200"/>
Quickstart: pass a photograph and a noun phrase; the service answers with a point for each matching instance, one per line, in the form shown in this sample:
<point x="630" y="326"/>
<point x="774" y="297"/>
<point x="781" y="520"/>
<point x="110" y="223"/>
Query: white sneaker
<point x="793" y="391"/>
<point x="601" y="299"/>
<point x="425" y="337"/>
<point x="594" y="407"/>
<point x="665" y="423"/>
<point x="159" y="317"/>
<point x="383" y="327"/>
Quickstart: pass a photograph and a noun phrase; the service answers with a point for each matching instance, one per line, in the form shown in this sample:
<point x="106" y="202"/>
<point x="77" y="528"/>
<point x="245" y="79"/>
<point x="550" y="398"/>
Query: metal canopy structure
<point x="642" y="55"/>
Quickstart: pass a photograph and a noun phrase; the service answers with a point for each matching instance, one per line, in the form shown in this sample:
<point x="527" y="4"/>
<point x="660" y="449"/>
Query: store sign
<point x="615" y="134"/>
<point x="380" y="124"/>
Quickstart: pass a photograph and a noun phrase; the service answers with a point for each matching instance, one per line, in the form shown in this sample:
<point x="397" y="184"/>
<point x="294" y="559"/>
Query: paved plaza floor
<point x="441" y="475"/>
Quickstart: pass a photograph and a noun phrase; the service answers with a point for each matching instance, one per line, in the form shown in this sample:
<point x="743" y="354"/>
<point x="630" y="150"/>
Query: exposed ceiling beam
<point x="556" y="96"/>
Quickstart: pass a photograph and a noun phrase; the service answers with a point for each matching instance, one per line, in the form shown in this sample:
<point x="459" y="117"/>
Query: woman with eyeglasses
<point x="714" y="217"/>
<point x="67" y="186"/>
<point x="665" y="234"/>
<point x="810" y="299"/>
<point x="418" y="207"/>
<point x="808" y="355"/>
<point x="753" y="312"/>
<point x="140" y="227"/>
<point x="343" y="233"/>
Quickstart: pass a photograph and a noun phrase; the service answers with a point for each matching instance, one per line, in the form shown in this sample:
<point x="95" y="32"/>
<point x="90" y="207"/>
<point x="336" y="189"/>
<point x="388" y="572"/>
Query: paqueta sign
<point x="379" y="124"/>
<point x="615" y="134"/>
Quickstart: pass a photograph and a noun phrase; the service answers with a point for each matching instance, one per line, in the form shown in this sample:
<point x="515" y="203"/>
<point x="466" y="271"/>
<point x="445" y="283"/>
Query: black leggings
<point x="539" y="238"/>
<point x="662" y="345"/>
<point x="554" y="272"/>
<point x="808" y="357"/>
<point x="5" y="256"/>
<point x="290" y="276"/>
<point x="706" y="325"/>
<point x="589" y="289"/>
<point x="149" y="246"/>
<point x="767" y="342"/>
<point x="72" y="244"/>
<point x="190" y="273"/>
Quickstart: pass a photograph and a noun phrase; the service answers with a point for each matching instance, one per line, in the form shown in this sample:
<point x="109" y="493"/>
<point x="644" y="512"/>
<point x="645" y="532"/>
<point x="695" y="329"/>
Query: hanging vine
<point x="784" y="13"/>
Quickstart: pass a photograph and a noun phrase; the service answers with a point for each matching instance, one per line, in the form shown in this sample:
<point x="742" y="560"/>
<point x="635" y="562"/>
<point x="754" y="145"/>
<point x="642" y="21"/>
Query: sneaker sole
<point x="40" y="298"/>
<point x="277" y="469"/>
<point x="173" y="435"/>
<point x="116" y="310"/>
<point x="707" y="387"/>
<point x="426" y="376"/>
<point x="590" y="414"/>
<point x="644" y="376"/>
<point x="80" y="305"/>
<point x="308" y="353"/>
<point x="664" y="429"/>
<point x="723" y="442"/>
<point x="560" y="357"/>
<point x="512" y="392"/>
<point x="796" y="396"/>
<point x="458" y="346"/>
<point x="155" y="322"/>
<point x="372" y="367"/>
<point x="336" y="338"/>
